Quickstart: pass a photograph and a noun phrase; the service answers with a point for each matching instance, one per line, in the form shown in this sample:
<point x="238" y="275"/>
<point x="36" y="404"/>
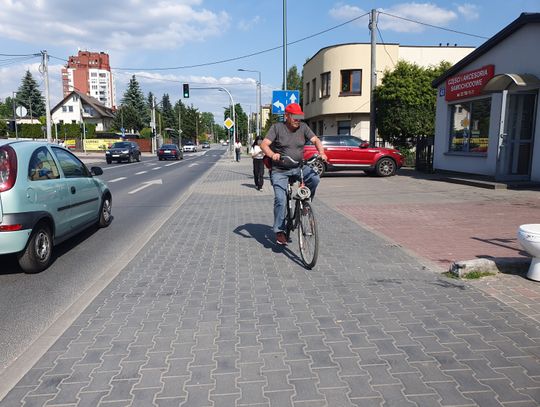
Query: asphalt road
<point x="142" y="195"/>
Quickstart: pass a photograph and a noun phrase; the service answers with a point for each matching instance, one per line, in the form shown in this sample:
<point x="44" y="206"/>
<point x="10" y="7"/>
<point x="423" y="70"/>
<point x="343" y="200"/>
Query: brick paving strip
<point x="211" y="313"/>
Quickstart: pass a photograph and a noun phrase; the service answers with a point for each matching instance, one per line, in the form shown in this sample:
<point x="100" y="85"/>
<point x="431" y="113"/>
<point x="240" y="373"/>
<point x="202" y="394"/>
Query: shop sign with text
<point x="468" y="84"/>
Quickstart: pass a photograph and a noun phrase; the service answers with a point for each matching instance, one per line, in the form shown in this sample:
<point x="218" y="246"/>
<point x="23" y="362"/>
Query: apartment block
<point x="90" y="73"/>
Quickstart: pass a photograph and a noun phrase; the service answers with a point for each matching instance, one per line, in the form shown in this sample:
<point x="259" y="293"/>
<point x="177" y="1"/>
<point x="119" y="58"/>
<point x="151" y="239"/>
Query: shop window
<point x="469" y="126"/>
<point x="351" y="82"/>
<point x="325" y="85"/>
<point x="344" y="127"/>
<point x="321" y="128"/>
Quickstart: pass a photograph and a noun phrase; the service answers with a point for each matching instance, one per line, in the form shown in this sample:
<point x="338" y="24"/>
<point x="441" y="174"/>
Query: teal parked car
<point x="47" y="195"/>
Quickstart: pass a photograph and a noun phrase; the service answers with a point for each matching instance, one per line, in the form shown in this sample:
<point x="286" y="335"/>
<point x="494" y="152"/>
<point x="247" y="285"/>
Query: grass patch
<point x="474" y="275"/>
<point x="477" y="274"/>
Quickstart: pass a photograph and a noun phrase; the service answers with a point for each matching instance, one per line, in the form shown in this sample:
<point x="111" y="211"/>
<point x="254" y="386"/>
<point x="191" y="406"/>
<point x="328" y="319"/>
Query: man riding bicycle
<point x="288" y="139"/>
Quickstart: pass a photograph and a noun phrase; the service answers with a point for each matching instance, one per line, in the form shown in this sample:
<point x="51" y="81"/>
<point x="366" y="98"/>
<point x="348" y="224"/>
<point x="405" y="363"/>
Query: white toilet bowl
<point x="529" y="238"/>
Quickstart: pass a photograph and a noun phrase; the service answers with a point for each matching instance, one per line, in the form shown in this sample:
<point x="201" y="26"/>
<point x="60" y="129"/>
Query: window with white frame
<point x="469" y="126"/>
<point x="325" y="85"/>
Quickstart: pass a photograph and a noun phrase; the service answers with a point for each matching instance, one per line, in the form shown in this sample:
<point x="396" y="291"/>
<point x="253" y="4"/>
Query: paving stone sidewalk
<point x="212" y="313"/>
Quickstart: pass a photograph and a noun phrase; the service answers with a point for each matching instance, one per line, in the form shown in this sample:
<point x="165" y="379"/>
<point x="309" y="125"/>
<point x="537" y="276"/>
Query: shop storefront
<point x="488" y="114"/>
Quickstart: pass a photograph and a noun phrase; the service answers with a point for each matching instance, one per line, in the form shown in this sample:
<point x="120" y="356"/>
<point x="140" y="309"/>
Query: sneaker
<point x="281" y="238"/>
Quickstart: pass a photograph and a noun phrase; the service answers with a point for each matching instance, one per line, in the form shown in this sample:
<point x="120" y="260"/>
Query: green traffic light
<point x="186" y="90"/>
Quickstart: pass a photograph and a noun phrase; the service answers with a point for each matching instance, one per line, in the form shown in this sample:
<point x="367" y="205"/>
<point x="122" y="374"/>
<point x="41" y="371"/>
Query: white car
<point x="189" y="148"/>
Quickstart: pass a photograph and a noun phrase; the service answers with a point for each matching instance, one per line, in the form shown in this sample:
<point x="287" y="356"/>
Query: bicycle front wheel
<point x="308" y="238"/>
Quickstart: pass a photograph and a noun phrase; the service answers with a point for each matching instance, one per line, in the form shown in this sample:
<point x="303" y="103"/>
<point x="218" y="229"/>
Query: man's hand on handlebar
<point x="276" y="157"/>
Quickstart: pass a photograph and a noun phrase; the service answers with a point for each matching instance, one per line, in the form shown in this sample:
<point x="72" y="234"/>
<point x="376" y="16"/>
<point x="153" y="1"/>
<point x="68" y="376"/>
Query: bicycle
<point x="300" y="214"/>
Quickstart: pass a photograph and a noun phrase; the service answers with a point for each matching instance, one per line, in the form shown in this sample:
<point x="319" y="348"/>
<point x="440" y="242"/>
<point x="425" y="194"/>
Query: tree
<point x="29" y="96"/>
<point x="295" y="81"/>
<point x="405" y="103"/>
<point x="169" y="118"/>
<point x="134" y="98"/>
<point x="127" y="117"/>
<point x="6" y="108"/>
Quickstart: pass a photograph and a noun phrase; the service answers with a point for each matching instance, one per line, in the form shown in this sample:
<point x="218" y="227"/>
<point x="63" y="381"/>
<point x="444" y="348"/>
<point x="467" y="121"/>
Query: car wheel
<point x="139" y="157"/>
<point x="36" y="256"/>
<point x="385" y="167"/>
<point x="108" y="160"/>
<point x="130" y="159"/>
<point x="319" y="168"/>
<point x="105" y="212"/>
<point x="160" y="159"/>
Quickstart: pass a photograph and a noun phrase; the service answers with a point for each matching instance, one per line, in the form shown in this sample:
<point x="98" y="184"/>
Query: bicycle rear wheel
<point x="308" y="239"/>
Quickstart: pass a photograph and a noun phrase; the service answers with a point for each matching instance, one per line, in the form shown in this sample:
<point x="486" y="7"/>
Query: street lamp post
<point x="221" y="88"/>
<point x="259" y="106"/>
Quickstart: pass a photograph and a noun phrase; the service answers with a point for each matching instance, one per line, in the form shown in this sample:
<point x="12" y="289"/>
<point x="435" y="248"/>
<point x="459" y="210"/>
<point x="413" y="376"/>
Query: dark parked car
<point x="123" y="151"/>
<point x="167" y="151"/>
<point x="346" y="152"/>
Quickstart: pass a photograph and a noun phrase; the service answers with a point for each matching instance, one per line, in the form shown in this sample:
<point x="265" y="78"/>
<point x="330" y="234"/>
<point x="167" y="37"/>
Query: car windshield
<point x="121" y="144"/>
<point x="168" y="146"/>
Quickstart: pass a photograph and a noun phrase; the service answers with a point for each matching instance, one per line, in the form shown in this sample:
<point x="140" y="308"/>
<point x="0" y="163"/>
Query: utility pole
<point x="153" y="123"/>
<point x="373" y="28"/>
<point x="45" y="64"/>
<point x="284" y="44"/>
<point x="180" y="124"/>
<point x="15" y="115"/>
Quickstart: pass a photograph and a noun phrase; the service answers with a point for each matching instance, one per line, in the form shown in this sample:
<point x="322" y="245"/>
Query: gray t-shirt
<point x="289" y="143"/>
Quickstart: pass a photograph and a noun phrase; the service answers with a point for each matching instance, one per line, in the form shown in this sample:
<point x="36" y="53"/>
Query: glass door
<point x="516" y="153"/>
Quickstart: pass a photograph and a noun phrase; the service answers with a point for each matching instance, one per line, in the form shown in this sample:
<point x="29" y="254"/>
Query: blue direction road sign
<point x="282" y="98"/>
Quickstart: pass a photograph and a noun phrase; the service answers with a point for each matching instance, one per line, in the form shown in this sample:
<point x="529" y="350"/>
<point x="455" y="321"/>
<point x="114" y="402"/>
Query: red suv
<point x="347" y="152"/>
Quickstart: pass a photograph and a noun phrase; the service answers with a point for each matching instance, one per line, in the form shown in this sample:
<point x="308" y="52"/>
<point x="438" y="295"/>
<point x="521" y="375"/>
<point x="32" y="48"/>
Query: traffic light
<point x="186" y="90"/>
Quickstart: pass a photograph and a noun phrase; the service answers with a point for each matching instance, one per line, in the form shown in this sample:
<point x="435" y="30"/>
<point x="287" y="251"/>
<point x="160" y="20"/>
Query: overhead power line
<point x="276" y="47"/>
<point x="247" y="55"/>
<point x="433" y="26"/>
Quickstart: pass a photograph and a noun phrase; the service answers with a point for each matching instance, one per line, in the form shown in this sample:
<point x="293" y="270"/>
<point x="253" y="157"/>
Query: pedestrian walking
<point x="258" y="166"/>
<point x="238" y="149"/>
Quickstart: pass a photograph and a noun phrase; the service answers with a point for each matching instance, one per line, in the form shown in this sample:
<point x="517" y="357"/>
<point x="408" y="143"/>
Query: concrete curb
<point x="510" y="265"/>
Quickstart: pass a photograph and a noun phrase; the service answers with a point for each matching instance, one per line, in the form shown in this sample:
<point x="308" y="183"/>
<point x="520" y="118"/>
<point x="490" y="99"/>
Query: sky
<point x="204" y="42"/>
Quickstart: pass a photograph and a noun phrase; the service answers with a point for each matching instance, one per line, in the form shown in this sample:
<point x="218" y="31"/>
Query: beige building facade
<point x="337" y="82"/>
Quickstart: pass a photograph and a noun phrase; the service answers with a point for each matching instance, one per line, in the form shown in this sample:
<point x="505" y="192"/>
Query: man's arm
<point x="265" y="147"/>
<point x="317" y="142"/>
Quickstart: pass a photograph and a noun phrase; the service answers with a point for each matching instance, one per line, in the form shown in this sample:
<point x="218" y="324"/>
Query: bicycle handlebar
<point x="309" y="161"/>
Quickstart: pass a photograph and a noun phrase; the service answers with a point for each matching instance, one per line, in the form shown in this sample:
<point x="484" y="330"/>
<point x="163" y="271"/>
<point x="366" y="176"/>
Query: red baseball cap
<point x="295" y="111"/>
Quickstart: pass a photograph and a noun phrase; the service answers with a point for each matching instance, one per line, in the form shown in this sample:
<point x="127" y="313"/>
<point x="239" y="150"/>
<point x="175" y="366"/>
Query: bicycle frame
<point x="300" y="215"/>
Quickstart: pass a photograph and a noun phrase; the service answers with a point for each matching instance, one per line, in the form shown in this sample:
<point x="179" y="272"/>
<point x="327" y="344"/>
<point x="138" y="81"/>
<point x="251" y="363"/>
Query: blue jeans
<point x="280" y="179"/>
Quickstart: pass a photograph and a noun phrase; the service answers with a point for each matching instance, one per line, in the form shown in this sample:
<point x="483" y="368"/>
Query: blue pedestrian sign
<point x="282" y="98"/>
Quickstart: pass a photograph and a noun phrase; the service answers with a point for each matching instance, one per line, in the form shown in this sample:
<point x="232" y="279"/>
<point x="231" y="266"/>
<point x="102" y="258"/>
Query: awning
<point x="511" y="81"/>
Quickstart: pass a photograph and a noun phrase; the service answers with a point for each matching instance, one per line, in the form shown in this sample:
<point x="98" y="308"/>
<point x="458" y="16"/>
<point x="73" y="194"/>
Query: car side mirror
<point x="364" y="144"/>
<point x="96" y="171"/>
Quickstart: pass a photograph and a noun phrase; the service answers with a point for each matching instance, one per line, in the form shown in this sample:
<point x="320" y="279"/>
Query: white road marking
<point x="117" y="179"/>
<point x="168" y="165"/>
<point x="145" y="185"/>
<point x="191" y="165"/>
<point x="141" y="172"/>
<point x="157" y="168"/>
